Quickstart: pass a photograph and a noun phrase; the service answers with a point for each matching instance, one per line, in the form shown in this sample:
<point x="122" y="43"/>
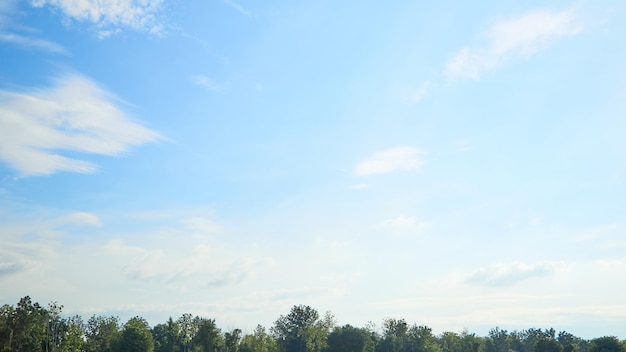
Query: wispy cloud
<point x="28" y="42"/>
<point x="242" y="10"/>
<point x="520" y="36"/>
<point x="390" y="160"/>
<point x="402" y="225"/>
<point x="205" y="82"/>
<point x="419" y="94"/>
<point x="505" y="274"/>
<point x="75" y="115"/>
<point x="110" y="16"/>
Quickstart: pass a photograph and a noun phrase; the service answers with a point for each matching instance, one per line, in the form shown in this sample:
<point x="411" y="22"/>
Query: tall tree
<point x="498" y="341"/>
<point x="231" y="340"/>
<point x="73" y="335"/>
<point x="606" y="344"/>
<point x="208" y="337"/>
<point x="302" y="330"/>
<point x="6" y="327"/>
<point x="258" y="341"/>
<point x="28" y="326"/>
<point x="167" y="337"/>
<point x="187" y="330"/>
<point x="101" y="333"/>
<point x="350" y="339"/>
<point x="136" y="336"/>
<point x="394" y="338"/>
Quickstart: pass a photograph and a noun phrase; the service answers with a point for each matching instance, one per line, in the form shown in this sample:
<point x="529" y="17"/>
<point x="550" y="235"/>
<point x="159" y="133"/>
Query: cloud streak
<point x="38" y="127"/>
<point x="511" y="273"/>
<point x="35" y="43"/>
<point x="390" y="160"/>
<point x="110" y="16"/>
<point x="521" y="36"/>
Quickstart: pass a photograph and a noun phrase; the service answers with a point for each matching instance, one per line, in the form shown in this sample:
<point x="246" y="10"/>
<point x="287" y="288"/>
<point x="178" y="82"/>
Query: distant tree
<point x="73" y="335"/>
<point x="299" y="331"/>
<point x="136" y="336"/>
<point x="548" y="345"/>
<point x="421" y="339"/>
<point x="187" y="330"/>
<point x="394" y="337"/>
<point x="231" y="340"/>
<point x="6" y="327"/>
<point x="606" y="344"/>
<point x="350" y="339"/>
<point x="167" y="337"/>
<point x="498" y="341"/>
<point x="450" y="342"/>
<point x="208" y="337"/>
<point x="101" y="333"/>
<point x="258" y="341"/>
<point x="471" y="343"/>
<point x="28" y="326"/>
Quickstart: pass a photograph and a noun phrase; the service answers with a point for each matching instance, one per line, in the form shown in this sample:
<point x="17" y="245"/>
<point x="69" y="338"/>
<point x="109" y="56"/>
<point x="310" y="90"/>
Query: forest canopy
<point x="30" y="327"/>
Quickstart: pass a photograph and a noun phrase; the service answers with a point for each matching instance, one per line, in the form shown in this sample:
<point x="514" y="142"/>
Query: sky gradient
<point x="457" y="165"/>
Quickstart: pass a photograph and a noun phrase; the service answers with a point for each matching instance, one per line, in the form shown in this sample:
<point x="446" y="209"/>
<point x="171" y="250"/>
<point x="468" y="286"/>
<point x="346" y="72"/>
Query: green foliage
<point x="208" y="338"/>
<point x="299" y="331"/>
<point x="259" y="341"/>
<point x="101" y="333"/>
<point x="606" y="344"/>
<point x="350" y="339"/>
<point x="136" y="336"/>
<point x="167" y="337"/>
<point x="28" y="327"/>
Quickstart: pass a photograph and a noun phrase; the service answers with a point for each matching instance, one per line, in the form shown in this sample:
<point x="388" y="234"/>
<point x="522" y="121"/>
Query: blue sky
<point x="456" y="165"/>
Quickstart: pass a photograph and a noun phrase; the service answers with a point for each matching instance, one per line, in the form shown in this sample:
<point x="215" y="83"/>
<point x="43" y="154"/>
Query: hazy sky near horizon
<point x="456" y="164"/>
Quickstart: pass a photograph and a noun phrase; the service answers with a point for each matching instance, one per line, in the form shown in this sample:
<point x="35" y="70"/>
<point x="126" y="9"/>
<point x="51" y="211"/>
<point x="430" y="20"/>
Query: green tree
<point x="6" y="327"/>
<point x="498" y="341"/>
<point x="606" y="344"/>
<point x="187" y="330"/>
<point x="73" y="335"/>
<point x="471" y="343"/>
<point x="101" y="333"/>
<point x="350" y="339"/>
<point x="548" y="345"/>
<point x="167" y="337"/>
<point x="421" y="339"/>
<point x="28" y="326"/>
<point x="232" y="339"/>
<point x="296" y="332"/>
<point x="208" y="337"/>
<point x="450" y="342"/>
<point x="258" y="341"/>
<point x="394" y="338"/>
<point x="136" y="336"/>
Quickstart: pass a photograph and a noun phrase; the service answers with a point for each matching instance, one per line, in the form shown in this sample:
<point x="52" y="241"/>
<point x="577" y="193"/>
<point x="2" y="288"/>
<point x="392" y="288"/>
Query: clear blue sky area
<point x="455" y="164"/>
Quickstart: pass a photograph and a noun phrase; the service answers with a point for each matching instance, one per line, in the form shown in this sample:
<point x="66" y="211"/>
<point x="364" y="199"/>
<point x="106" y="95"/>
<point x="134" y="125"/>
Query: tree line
<point x="29" y="327"/>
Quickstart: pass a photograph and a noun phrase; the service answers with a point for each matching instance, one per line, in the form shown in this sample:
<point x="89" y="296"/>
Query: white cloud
<point x="610" y="264"/>
<point x="510" y="273"/>
<point x="74" y="116"/>
<point x="419" y="94"/>
<point x="205" y="82"/>
<point x="202" y="225"/>
<point x="238" y="8"/>
<point x="109" y="16"/>
<point x="81" y="218"/>
<point x="403" y="225"/>
<point x="390" y="160"/>
<point x="28" y="42"/>
<point x="520" y="36"/>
